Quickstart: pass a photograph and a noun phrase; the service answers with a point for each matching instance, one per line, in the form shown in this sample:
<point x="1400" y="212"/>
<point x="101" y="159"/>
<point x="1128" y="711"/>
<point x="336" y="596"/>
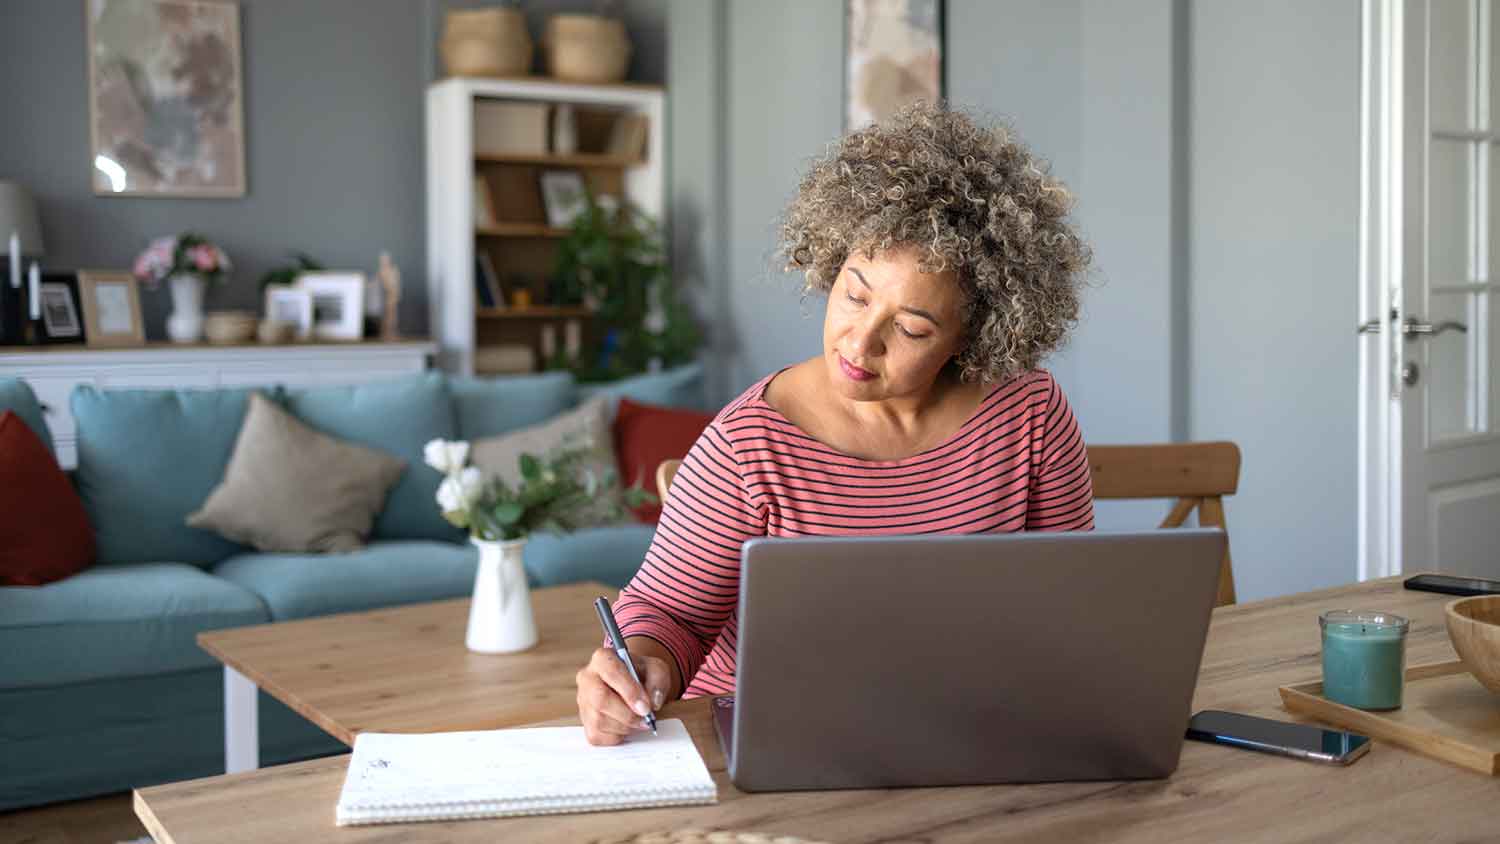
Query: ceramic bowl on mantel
<point x="225" y="328"/>
<point x="1474" y="628"/>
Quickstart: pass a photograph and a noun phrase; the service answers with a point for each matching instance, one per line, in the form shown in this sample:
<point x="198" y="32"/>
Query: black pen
<point x="617" y="641"/>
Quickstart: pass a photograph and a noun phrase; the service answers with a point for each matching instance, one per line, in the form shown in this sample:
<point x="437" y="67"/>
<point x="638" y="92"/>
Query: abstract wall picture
<point x="893" y="55"/>
<point x="166" y="98"/>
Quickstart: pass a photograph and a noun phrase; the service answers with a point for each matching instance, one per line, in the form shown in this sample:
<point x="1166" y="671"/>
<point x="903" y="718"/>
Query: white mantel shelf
<point x="181" y="353"/>
<point x="54" y="371"/>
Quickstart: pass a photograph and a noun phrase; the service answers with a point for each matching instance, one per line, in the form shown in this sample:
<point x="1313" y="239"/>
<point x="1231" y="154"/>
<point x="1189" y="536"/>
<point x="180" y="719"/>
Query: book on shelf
<point x="484" y="204"/>
<point x="487" y="283"/>
<point x="627" y="137"/>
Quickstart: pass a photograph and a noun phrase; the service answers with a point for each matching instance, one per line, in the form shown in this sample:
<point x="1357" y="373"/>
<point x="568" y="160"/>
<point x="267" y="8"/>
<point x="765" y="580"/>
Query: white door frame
<point x="1381" y="252"/>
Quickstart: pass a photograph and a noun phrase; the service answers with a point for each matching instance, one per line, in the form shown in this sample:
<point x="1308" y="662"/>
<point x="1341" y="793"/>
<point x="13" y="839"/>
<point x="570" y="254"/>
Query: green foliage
<point x="288" y="273"/>
<point x="617" y="258"/>
<point x="559" y="492"/>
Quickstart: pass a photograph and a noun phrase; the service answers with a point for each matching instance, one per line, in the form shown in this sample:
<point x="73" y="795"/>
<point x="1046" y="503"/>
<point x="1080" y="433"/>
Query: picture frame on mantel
<point x="60" y="322"/>
<point x="166" y="98"/>
<point x="111" y="301"/>
<point x="338" y="304"/>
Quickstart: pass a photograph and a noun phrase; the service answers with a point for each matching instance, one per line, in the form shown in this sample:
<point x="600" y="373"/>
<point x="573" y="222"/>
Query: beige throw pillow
<point x="500" y="456"/>
<point x="291" y="488"/>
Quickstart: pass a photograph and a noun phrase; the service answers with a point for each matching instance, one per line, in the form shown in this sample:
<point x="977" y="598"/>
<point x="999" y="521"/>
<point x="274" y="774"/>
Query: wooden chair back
<point x="664" y="474"/>
<point x="1198" y="475"/>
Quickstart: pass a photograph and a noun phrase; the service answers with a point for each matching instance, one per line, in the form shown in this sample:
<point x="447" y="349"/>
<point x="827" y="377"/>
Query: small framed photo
<point x="338" y="304"/>
<point x="60" y="320"/>
<point x="288" y="305"/>
<point x="111" y="308"/>
<point x="563" y="196"/>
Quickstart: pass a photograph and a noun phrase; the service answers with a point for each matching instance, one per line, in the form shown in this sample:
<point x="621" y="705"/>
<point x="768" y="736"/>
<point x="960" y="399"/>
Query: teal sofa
<point x="102" y="685"/>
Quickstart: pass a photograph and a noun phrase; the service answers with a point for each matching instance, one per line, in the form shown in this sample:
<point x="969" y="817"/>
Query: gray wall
<point x="1212" y="150"/>
<point x="1274" y="242"/>
<point x="334" y="150"/>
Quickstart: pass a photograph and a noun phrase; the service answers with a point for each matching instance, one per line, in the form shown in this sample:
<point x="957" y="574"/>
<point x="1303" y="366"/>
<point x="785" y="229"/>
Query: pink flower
<point x="204" y="258"/>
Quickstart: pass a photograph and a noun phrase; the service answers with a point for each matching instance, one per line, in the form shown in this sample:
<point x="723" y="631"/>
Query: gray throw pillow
<point x="499" y="457"/>
<point x="293" y="489"/>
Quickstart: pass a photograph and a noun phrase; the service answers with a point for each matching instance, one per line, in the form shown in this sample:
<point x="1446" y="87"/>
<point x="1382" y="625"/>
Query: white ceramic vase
<point x="500" y="618"/>
<point x="185" y="325"/>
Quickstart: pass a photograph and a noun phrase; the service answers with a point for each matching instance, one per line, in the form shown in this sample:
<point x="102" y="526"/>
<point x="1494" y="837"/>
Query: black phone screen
<point x="1255" y="733"/>
<point x="1451" y="585"/>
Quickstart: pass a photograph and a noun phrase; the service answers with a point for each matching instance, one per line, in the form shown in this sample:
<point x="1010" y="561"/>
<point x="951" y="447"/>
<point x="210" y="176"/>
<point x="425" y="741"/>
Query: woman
<point x="950" y="270"/>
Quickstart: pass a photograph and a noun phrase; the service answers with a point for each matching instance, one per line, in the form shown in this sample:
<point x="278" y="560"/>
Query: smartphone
<point x="1299" y="741"/>
<point x="1450" y="585"/>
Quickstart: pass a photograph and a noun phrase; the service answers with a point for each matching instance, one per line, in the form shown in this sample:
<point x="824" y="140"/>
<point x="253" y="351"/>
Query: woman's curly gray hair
<point x="967" y="198"/>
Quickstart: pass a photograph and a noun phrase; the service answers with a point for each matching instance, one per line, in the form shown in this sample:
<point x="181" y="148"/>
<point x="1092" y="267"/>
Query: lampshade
<point x="18" y="214"/>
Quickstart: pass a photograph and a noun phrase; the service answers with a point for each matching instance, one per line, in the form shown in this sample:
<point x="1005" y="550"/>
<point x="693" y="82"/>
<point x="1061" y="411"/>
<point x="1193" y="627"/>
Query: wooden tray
<point x="1445" y="714"/>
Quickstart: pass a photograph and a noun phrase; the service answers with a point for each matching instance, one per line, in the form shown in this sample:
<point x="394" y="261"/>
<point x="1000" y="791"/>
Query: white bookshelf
<point x="457" y="324"/>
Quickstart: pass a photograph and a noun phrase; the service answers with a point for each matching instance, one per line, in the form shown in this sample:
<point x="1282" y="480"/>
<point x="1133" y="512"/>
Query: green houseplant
<point x="613" y="256"/>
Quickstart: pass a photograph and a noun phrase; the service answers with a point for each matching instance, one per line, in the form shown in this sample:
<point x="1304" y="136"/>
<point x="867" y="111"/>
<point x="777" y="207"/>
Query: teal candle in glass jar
<point x="1364" y="658"/>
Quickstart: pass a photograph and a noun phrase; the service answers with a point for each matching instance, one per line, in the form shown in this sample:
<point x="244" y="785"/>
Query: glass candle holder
<point x="1364" y="658"/>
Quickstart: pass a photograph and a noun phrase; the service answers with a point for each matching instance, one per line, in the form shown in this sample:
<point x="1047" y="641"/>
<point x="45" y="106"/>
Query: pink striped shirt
<point x="1017" y="464"/>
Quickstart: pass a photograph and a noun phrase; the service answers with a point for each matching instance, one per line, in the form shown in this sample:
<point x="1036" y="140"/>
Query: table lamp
<point x="20" y="236"/>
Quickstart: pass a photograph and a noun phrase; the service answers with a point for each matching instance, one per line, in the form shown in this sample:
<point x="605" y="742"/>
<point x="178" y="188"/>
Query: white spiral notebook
<point x="535" y="771"/>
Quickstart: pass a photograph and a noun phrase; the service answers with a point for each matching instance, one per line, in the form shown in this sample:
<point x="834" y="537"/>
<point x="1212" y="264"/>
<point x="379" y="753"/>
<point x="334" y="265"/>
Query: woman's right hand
<point x="610" y="704"/>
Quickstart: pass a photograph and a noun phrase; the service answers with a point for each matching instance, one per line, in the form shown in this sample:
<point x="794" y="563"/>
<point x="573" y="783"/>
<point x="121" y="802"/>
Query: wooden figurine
<point x="390" y="287"/>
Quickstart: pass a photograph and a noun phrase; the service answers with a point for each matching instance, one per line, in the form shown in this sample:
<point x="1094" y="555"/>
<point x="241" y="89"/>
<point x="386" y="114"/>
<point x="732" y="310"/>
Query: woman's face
<point x="890" y="327"/>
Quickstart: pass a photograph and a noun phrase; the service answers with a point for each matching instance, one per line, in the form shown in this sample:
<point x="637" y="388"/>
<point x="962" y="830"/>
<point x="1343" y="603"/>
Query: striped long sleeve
<point x="1017" y="464"/>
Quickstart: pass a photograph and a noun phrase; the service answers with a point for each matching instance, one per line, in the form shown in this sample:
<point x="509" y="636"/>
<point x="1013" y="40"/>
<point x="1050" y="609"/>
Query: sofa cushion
<point x="680" y="386"/>
<point x="148" y="458"/>
<point x="398" y="417"/>
<point x="290" y="488"/>
<point x="645" y="435"/>
<point x="585" y="426"/>
<point x="44" y="533"/>
<point x="609" y="554"/>
<point x="489" y="406"/>
<point x="16" y="395"/>
<point x="59" y="743"/>
<point x="116" y="621"/>
<point x="379" y="575"/>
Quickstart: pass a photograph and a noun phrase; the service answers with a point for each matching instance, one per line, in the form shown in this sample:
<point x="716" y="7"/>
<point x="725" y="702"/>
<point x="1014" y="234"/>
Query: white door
<point x="1440" y="334"/>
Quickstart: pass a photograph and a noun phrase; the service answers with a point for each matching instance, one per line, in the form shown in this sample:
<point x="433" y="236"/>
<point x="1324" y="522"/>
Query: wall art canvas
<point x="893" y="56"/>
<point x="166" y="98"/>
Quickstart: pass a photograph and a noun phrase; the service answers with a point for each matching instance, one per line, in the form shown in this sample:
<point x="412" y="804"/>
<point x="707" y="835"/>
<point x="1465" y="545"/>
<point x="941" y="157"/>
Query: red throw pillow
<point x="44" y="533"/>
<point x="645" y="435"/>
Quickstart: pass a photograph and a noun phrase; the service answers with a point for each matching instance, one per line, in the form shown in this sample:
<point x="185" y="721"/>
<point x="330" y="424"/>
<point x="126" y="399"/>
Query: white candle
<point x="15" y="260"/>
<point x="36" y="290"/>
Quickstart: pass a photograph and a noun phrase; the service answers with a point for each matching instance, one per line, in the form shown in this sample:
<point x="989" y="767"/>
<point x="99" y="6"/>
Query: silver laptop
<point x="873" y="662"/>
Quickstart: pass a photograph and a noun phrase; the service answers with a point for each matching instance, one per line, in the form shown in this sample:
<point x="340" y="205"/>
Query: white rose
<point x="450" y="496"/>
<point x="471" y="484"/>
<point x="446" y="456"/>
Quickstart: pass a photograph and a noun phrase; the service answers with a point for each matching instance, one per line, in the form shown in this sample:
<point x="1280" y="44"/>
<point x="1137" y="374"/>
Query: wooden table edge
<point x="207" y="641"/>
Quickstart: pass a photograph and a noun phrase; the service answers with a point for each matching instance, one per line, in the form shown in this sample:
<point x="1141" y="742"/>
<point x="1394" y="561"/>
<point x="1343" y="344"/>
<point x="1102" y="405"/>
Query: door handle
<point x="1411" y="327"/>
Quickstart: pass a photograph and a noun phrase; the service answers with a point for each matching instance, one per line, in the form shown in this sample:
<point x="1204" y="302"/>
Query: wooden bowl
<point x="1474" y="628"/>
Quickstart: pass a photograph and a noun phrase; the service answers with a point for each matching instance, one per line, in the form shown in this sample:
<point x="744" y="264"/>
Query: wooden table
<point x="1217" y="794"/>
<point x="403" y="670"/>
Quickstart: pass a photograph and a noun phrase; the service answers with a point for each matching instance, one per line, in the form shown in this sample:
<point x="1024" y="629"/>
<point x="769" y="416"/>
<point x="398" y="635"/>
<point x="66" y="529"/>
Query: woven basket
<point x="486" y="42"/>
<point x="586" y="48"/>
